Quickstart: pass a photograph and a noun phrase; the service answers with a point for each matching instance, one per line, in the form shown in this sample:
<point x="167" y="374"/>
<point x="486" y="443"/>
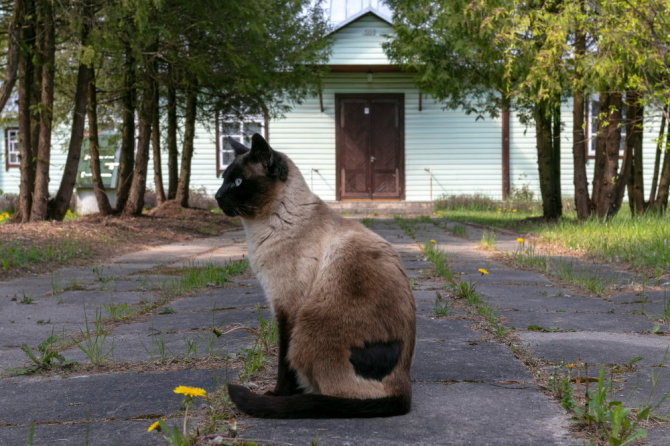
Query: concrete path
<point x="470" y="387"/>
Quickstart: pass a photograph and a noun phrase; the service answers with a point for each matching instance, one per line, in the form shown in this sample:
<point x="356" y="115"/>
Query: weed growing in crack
<point x="95" y="338"/>
<point x="459" y="230"/>
<point x="160" y="349"/>
<point x="464" y="290"/>
<point x="200" y="276"/>
<point x="529" y="257"/>
<point x="406" y="225"/>
<point x="439" y="261"/>
<point x="615" y="424"/>
<point x="45" y="357"/>
<point x="488" y="240"/>
<point x="253" y="358"/>
<point x="441" y="306"/>
<point x="593" y="283"/>
<point x="26" y="300"/>
<point x="116" y="311"/>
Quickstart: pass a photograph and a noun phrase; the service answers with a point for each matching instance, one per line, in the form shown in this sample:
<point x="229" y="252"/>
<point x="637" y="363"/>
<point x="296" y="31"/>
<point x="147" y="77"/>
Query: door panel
<point x="355" y="164"/>
<point x="385" y="148"/>
<point x="370" y="146"/>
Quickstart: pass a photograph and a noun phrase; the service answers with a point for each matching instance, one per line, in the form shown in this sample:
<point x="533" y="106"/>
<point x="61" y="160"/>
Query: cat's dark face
<point x="249" y="182"/>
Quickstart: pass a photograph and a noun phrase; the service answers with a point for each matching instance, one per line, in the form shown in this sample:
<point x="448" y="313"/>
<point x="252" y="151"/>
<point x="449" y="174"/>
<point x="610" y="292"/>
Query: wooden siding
<point x="463" y="154"/>
<point x="359" y="42"/>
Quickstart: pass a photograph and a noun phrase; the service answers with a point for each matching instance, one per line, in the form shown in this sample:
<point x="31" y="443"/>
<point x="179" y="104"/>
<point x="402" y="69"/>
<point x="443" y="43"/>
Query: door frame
<point x="400" y="97"/>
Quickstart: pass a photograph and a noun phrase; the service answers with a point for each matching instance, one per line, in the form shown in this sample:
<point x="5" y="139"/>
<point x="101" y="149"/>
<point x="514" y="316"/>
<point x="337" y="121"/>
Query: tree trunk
<point x="12" y="54"/>
<point x="548" y="160"/>
<point x="582" y="198"/>
<point x="26" y="71"/>
<point x="127" y="157"/>
<point x="579" y="143"/>
<point x="661" y="202"/>
<point x="634" y="128"/>
<point x="135" y="201"/>
<point x="93" y="149"/>
<point x="660" y="146"/>
<point x="47" y="50"/>
<point x="607" y="156"/>
<point x="156" y="146"/>
<point x="173" y="152"/>
<point x="59" y="205"/>
<point x="187" y="149"/>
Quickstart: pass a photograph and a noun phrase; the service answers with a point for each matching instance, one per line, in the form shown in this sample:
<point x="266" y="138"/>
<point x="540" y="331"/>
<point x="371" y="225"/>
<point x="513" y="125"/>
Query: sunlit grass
<point x="643" y="242"/>
<point x="501" y="218"/>
<point x="14" y="254"/>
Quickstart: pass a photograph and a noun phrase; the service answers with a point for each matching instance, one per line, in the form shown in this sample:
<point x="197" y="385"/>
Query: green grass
<point x="488" y="240"/>
<point x="407" y="225"/>
<point x="461" y="289"/>
<point x="199" y="276"/>
<point x="643" y="242"/>
<point x="439" y="260"/>
<point x="15" y="255"/>
<point x="501" y="218"/>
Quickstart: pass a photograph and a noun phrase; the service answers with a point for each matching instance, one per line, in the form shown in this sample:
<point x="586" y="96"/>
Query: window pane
<point x="227" y="157"/>
<point x="230" y="128"/>
<point x="252" y="127"/>
<point x="12" y="148"/>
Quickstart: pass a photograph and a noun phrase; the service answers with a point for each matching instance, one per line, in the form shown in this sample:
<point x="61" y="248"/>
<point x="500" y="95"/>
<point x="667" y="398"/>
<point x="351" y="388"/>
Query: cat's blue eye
<point x="238" y="181"/>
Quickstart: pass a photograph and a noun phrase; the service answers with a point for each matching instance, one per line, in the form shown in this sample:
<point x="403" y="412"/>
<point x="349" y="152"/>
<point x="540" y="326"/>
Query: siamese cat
<point x="343" y="304"/>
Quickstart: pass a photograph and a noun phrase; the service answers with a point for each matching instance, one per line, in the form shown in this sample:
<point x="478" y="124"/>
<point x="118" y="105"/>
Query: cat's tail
<point x="315" y="406"/>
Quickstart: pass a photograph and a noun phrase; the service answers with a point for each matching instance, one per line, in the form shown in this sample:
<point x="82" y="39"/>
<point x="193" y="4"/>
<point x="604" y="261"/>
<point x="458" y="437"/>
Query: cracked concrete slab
<point x="596" y="347"/>
<point x="460" y="413"/>
<point x="579" y="321"/>
<point x="100" y="396"/>
<point x="438" y="361"/>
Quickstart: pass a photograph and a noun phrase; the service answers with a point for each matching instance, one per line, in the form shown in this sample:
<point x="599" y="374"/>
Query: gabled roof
<point x="369" y="10"/>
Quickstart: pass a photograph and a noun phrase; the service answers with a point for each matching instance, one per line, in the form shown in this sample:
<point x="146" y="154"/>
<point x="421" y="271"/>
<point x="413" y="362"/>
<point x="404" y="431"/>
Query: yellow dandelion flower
<point x="155" y="426"/>
<point x="513" y="210"/>
<point x="483" y="271"/>
<point x="433" y="241"/>
<point x="570" y="366"/>
<point x="190" y="391"/>
<point x="520" y="240"/>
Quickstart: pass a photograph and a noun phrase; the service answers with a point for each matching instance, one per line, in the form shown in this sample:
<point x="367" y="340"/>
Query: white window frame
<point x="241" y="134"/>
<point x="12" y="150"/>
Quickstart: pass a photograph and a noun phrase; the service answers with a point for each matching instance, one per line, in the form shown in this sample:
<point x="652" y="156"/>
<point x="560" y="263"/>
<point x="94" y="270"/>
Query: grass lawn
<point x="643" y="242"/>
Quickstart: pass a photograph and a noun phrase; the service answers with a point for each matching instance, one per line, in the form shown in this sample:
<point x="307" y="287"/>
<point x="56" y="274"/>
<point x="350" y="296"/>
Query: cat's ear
<point x="262" y="153"/>
<point x="238" y="147"/>
<point x="260" y="150"/>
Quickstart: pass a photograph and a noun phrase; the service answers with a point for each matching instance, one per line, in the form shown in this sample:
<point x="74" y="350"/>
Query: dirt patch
<point x="29" y="248"/>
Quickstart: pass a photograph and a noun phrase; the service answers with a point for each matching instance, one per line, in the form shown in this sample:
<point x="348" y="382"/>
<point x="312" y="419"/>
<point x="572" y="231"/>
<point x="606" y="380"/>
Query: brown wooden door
<point x="370" y="149"/>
